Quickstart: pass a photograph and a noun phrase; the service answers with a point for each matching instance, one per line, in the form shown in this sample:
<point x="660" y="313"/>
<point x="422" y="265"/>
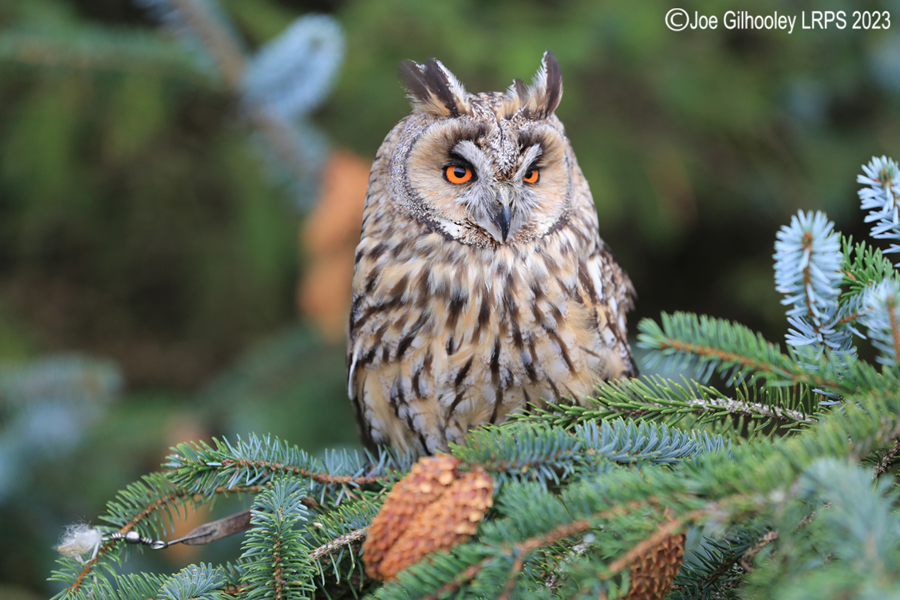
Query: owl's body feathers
<point x="473" y="300"/>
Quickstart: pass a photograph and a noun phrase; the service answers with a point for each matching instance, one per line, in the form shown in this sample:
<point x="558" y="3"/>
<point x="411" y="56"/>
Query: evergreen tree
<point x="779" y="475"/>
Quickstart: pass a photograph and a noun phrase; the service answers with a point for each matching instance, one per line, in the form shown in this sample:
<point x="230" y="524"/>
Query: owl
<point x="481" y="285"/>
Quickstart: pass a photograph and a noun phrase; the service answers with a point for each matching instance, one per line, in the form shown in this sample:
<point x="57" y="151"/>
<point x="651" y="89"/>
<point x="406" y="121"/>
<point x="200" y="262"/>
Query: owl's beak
<point x="502" y="220"/>
<point x="503" y="216"/>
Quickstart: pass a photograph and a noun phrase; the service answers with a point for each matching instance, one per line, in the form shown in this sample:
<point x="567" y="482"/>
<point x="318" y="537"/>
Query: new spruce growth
<point x="771" y="477"/>
<point x="880" y="198"/>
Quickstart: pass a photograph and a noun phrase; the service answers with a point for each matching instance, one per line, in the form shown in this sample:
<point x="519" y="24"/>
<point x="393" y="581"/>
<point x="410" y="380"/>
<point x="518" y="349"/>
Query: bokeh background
<point x="180" y="196"/>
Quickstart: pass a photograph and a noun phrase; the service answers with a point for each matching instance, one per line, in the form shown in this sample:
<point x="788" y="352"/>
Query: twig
<point x="155" y="506"/>
<point x="511" y="578"/>
<point x="232" y="63"/>
<point x="887" y="459"/>
<point x="851" y="317"/>
<point x="460" y="580"/>
<point x="751" y="409"/>
<point x="809" y="518"/>
<point x="217" y="41"/>
<point x="895" y="331"/>
<point x="277" y="578"/>
<point x="320" y="477"/>
<point x="807" y="285"/>
<point x="338" y="542"/>
<point x="666" y="342"/>
<point x="752" y="551"/>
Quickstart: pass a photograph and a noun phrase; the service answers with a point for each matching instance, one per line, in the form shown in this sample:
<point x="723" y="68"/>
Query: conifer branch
<point x="527" y="546"/>
<point x="231" y="63"/>
<point x="277" y="558"/>
<point x="882" y="304"/>
<point x="516" y="554"/>
<point x="739" y="354"/>
<point x="339" y="542"/>
<point x="751" y="409"/>
<point x="321" y="477"/>
<point x="149" y="511"/>
<point x="222" y="47"/>
<point x="526" y="449"/>
<point x="659" y="399"/>
<point x="713" y="562"/>
<point x="282" y="83"/>
<point x="862" y="267"/>
<point x="199" y="467"/>
<point x="101" y="49"/>
<point x="880" y="198"/>
<point x="808" y="272"/>
<point x="666" y="530"/>
<point x="202" y="581"/>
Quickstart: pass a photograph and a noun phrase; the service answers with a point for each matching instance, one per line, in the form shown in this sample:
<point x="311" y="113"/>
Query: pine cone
<point x="652" y="573"/>
<point x="433" y="508"/>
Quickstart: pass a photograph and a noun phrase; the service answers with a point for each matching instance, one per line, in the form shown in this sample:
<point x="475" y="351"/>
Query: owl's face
<point x="484" y="169"/>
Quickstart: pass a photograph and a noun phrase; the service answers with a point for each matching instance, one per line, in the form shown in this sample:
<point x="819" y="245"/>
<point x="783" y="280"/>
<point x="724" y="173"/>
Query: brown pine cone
<point x="653" y="572"/>
<point x="433" y="508"/>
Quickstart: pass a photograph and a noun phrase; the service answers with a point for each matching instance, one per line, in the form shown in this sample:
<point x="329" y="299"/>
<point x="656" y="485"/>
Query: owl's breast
<point x="447" y="337"/>
<point x="539" y="332"/>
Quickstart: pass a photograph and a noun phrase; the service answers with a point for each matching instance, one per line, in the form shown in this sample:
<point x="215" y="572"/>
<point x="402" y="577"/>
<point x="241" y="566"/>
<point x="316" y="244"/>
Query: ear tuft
<point x="545" y="90"/>
<point x="553" y="83"/>
<point x="540" y="99"/>
<point x="412" y="76"/>
<point x="433" y="88"/>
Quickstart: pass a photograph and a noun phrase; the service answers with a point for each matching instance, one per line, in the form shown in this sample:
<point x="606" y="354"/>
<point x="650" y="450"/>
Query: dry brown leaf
<point x="328" y="241"/>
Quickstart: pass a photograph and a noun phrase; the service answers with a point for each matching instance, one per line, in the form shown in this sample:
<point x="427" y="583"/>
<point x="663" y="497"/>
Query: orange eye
<point x="457" y="174"/>
<point x="532" y="176"/>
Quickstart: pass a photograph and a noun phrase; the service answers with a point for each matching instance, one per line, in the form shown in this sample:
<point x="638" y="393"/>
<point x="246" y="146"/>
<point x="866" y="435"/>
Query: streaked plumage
<point x="473" y="299"/>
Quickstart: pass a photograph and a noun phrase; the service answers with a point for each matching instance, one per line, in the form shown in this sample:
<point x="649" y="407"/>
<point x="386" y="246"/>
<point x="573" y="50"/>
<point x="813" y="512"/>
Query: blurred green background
<point x="149" y="255"/>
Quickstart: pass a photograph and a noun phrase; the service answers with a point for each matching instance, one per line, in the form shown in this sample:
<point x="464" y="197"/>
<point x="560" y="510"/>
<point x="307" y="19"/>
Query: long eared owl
<point x="481" y="284"/>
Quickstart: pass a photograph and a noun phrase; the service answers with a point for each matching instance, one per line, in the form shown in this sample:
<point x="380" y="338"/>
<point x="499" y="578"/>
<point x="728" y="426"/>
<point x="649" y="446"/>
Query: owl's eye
<point x="532" y="176"/>
<point x="458" y="174"/>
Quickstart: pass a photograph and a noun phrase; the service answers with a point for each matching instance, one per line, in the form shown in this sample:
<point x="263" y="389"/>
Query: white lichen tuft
<point x="79" y="540"/>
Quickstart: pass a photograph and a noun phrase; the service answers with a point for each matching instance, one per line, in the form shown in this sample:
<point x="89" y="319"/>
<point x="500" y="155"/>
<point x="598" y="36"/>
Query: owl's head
<point x="484" y="169"/>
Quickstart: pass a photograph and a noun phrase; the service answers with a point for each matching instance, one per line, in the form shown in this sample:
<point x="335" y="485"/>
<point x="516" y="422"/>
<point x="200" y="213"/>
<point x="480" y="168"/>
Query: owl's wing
<point x="356" y="357"/>
<point x="618" y="281"/>
<point x="617" y="299"/>
<point x="353" y="393"/>
<point x="602" y="283"/>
